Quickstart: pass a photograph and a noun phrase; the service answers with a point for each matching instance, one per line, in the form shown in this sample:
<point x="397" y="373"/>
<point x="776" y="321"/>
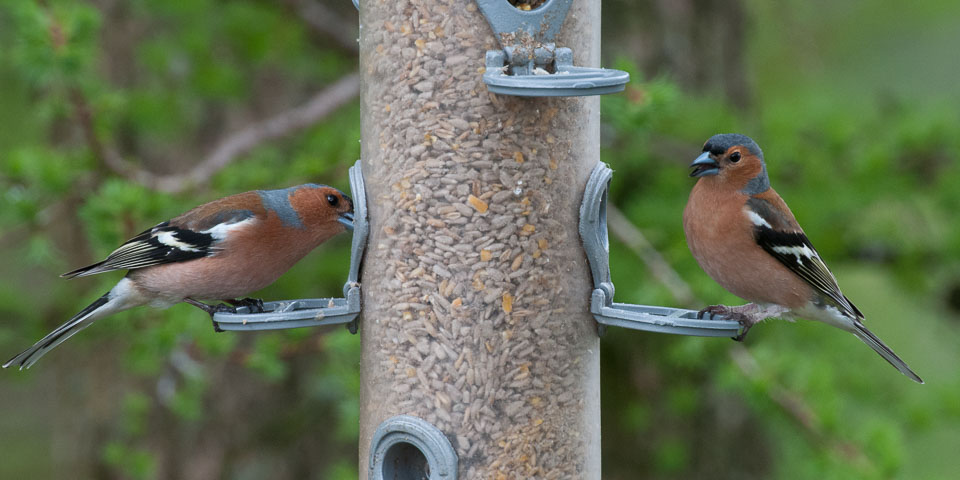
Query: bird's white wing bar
<point x="755" y="218"/>
<point x="222" y="231"/>
<point x="802" y="253"/>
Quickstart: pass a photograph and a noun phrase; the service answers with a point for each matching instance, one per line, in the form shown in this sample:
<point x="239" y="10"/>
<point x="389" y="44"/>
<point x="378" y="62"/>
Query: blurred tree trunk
<point x="698" y="43"/>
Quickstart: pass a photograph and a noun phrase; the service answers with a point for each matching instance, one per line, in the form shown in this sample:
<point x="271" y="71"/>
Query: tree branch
<point x="281" y="125"/>
<point x="235" y="145"/>
<point x="325" y="21"/>
<point x="794" y="405"/>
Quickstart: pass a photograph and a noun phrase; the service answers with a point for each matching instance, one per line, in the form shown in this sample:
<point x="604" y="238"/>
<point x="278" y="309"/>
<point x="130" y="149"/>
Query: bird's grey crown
<point x="721" y="142"/>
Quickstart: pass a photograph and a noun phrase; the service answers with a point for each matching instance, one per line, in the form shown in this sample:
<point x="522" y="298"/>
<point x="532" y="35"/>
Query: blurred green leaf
<point x="134" y="462"/>
<point x="265" y="358"/>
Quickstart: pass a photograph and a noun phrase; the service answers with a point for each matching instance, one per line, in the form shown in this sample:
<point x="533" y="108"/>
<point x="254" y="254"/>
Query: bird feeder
<point x="476" y="316"/>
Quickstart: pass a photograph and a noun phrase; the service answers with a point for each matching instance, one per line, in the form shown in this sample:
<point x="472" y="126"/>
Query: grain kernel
<point x="516" y="263"/>
<point x="477" y="204"/>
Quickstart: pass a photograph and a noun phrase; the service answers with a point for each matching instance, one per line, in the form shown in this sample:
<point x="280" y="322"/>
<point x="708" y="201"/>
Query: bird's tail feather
<point x="878" y="346"/>
<point x="84" y="271"/>
<point x="111" y="302"/>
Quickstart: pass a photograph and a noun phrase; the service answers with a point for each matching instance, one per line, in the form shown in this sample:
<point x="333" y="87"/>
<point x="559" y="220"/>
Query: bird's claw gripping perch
<point x="254" y="304"/>
<point x="719" y="310"/>
<point x="214" y="309"/>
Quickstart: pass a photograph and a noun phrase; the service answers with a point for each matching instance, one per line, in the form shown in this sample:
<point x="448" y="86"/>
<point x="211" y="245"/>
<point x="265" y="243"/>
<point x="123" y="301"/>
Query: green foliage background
<point x="855" y="105"/>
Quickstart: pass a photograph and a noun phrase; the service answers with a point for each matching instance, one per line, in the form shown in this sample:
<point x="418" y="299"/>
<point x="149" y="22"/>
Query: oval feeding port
<point x="404" y="460"/>
<point x="405" y="447"/>
<point x="527" y="5"/>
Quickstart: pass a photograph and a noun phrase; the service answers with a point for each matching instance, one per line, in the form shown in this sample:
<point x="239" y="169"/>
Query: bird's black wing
<point x="167" y="243"/>
<point x="794" y="250"/>
<point x="160" y="244"/>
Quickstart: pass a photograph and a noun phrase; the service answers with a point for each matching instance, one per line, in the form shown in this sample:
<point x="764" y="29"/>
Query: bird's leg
<point x="746" y="315"/>
<point x="254" y="304"/>
<point x="211" y="310"/>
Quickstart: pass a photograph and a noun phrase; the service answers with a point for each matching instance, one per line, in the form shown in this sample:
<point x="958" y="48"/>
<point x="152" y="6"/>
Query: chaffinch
<point x="221" y="250"/>
<point x="745" y="237"/>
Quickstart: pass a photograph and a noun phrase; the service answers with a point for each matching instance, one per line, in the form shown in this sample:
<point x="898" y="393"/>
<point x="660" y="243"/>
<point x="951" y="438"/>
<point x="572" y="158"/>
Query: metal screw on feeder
<point x="593" y="233"/>
<point x="530" y="64"/>
<point x="314" y="312"/>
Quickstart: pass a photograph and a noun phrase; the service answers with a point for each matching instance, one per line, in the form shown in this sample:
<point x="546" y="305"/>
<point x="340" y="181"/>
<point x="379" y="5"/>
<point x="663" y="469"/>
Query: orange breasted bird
<point x="744" y="236"/>
<point x="221" y="251"/>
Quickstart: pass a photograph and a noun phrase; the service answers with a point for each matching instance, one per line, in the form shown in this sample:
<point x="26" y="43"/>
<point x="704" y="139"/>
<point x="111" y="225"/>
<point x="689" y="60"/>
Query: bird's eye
<point x="333" y="200"/>
<point x="735" y="157"/>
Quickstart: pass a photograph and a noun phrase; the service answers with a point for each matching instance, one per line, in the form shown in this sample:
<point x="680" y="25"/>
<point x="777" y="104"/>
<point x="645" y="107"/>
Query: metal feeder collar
<point x="541" y="70"/>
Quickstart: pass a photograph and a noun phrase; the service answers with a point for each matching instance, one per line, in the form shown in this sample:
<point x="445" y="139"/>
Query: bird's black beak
<point x="704" y="166"/>
<point x="346" y="218"/>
